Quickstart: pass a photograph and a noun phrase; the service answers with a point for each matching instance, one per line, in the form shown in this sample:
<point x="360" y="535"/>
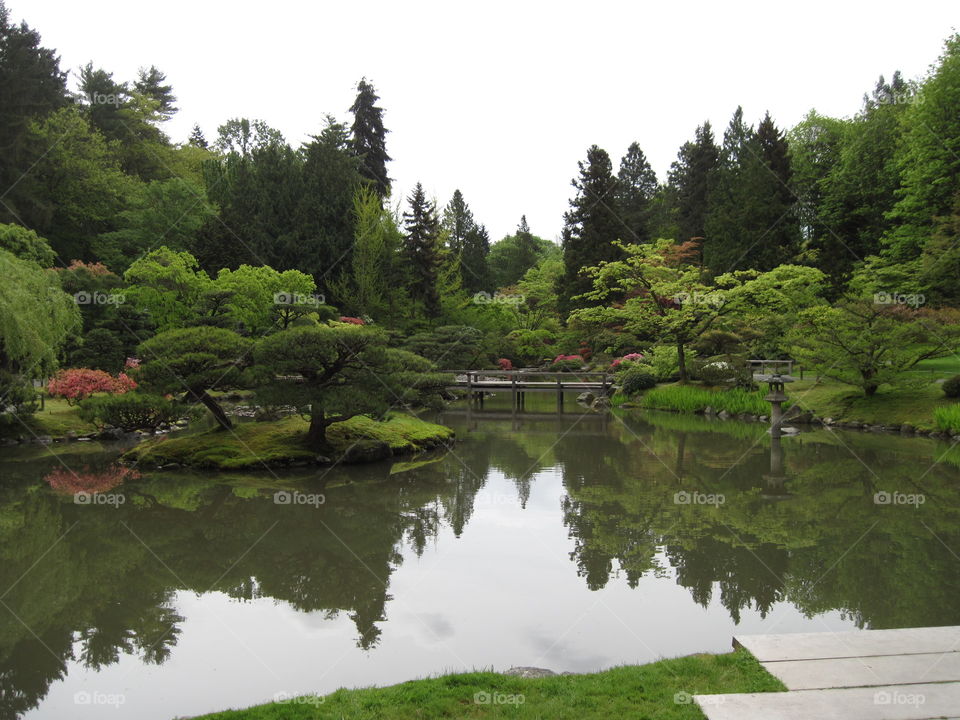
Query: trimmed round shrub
<point x="129" y="411"/>
<point x="567" y="363"/>
<point x="636" y="380"/>
<point x="951" y="387"/>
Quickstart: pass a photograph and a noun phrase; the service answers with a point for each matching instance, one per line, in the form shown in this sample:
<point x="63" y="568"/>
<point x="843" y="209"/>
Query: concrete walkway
<point x="910" y="674"/>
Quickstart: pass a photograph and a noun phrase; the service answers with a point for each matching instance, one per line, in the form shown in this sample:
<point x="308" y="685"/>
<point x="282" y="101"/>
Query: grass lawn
<point x="889" y="406"/>
<point x="944" y="367"/>
<point x="658" y="691"/>
<point x="56" y="419"/>
<point x="251" y="444"/>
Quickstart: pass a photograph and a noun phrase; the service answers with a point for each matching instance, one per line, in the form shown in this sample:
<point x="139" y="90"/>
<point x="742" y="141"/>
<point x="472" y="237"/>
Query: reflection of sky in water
<point x="506" y="592"/>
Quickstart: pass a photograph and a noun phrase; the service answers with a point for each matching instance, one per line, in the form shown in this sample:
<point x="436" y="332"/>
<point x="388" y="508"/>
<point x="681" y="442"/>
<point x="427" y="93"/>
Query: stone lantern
<point x="776" y="397"/>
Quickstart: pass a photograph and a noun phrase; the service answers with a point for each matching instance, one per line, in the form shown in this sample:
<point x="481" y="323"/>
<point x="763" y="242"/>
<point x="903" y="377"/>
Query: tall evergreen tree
<point x="636" y="188"/>
<point x="528" y="251"/>
<point x="751" y="221"/>
<point x="104" y="97"/>
<point x="151" y="83"/>
<point x="421" y="246"/>
<point x="457" y="221"/>
<point x="196" y="138"/>
<point x="474" y="267"/>
<point x="590" y="226"/>
<point x="369" y="137"/>
<point x="31" y="85"/>
<point x="690" y="177"/>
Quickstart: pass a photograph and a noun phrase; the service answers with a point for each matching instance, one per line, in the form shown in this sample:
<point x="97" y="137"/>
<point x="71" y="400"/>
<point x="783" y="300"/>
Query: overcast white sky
<point x="501" y="99"/>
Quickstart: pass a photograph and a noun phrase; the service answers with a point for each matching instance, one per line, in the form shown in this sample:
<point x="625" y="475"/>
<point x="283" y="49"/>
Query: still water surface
<point x="571" y="542"/>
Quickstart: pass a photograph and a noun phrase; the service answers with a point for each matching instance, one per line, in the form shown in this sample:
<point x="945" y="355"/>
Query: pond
<point x="573" y="542"/>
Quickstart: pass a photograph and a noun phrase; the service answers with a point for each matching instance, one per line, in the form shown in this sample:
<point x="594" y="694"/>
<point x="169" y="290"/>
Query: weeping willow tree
<point x="36" y="318"/>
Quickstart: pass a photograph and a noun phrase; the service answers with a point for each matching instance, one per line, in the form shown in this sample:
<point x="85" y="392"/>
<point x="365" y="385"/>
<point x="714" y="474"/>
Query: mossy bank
<point x="281" y="443"/>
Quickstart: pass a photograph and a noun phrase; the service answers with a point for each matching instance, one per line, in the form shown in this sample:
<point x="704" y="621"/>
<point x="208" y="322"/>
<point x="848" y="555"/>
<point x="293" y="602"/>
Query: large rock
<point x="111" y="434"/>
<point x="367" y="451"/>
<point x="586" y="398"/>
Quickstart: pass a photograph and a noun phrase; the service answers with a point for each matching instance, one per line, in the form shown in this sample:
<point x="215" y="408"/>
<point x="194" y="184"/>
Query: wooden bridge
<point x="478" y="383"/>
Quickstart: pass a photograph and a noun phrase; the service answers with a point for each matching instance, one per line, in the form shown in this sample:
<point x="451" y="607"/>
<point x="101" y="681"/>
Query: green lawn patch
<point x="694" y="398"/>
<point x="256" y="444"/>
<point x="56" y="419"/>
<point x="660" y="690"/>
<point x="889" y="406"/>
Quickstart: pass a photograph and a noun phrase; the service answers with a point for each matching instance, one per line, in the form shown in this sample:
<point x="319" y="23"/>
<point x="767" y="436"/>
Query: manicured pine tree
<point x="421" y="246"/>
<point x="636" y="188"/>
<point x="690" y="178"/>
<point x="369" y="137"/>
<point x="590" y="227"/>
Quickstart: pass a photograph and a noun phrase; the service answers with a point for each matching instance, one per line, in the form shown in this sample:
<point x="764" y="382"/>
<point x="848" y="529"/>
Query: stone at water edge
<point x="723" y="415"/>
<point x="529" y="672"/>
<point x="586" y="398"/>
<point x="708" y="410"/>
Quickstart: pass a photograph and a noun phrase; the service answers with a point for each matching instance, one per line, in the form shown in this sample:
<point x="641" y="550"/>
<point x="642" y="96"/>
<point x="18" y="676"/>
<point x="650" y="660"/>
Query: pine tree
<point x="197" y="139"/>
<point x="690" y="178"/>
<point x="590" y="226"/>
<point x="150" y="83"/>
<point x="421" y="246"/>
<point x="457" y="221"/>
<point x="636" y="188"/>
<point x="475" y="269"/>
<point x="369" y="137"/>
<point x="104" y="98"/>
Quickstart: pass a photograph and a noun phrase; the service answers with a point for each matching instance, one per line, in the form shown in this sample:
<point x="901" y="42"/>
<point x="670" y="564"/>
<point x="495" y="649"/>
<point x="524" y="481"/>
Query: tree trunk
<point x="317" y="434"/>
<point x="214" y="407"/>
<point x="870" y="388"/>
<point x="682" y="363"/>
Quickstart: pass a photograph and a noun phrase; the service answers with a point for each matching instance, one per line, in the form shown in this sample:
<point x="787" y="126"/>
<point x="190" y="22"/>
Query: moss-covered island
<point x="282" y="443"/>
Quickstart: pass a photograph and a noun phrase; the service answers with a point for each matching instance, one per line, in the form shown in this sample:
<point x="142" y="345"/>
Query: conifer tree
<point x="457" y="221"/>
<point x="475" y="269"/>
<point x="369" y="137"/>
<point x="690" y="178"/>
<point x="421" y="246"/>
<point x="636" y="188"/>
<point x="590" y="226"/>
<point x="196" y="138"/>
<point x="151" y="83"/>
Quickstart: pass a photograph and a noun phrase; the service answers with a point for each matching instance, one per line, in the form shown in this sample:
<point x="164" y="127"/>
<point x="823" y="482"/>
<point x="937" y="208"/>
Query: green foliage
<point x="690" y="399"/>
<point x="531" y="347"/>
<point x="100" y="349"/>
<point x="368" y="138"/>
<point x="947" y="417"/>
<point x="26" y="245"/>
<point x="458" y="347"/>
<point x="634" y="380"/>
<point x="511" y="257"/>
<point x="636" y="189"/>
<point x="664" y="362"/>
<point x="867" y="345"/>
<point x="421" y="249"/>
<point x="951" y="387"/>
<point x="170" y="286"/>
<point x="690" y="179"/>
<point x="129" y="411"/>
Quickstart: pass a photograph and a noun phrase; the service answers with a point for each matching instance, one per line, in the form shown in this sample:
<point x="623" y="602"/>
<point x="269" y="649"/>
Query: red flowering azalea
<point x="559" y="358"/>
<point x="631" y="357"/>
<point x="505" y="364"/>
<point x="351" y="320"/>
<point x="80" y="383"/>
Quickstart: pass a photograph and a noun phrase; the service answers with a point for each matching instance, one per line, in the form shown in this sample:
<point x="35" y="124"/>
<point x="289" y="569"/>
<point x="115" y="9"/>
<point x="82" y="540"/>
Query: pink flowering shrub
<point x="78" y="384"/>
<point x="351" y="320"/>
<point x="505" y="364"/>
<point x="630" y="357"/>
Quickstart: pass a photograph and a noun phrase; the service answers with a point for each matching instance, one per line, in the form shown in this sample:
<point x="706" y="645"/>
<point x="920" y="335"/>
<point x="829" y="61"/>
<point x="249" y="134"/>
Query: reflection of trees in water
<point x="824" y="546"/>
<point x="100" y="591"/>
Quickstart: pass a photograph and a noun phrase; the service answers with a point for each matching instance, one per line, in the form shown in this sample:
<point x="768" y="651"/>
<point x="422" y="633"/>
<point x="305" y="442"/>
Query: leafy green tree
<point x="636" y="188"/>
<point x="422" y="250"/>
<point x="170" y="212"/>
<point x="170" y="286"/>
<point x="536" y="293"/>
<point x="370" y="285"/>
<point x="867" y="344"/>
<point x="194" y="361"/>
<point x="242" y="136"/>
<point x="76" y="188"/>
<point x="449" y="346"/>
<point x="690" y="179"/>
<point x="590" y="227"/>
<point x="260" y="299"/>
<point x="26" y="245"/>
<point x="369" y="137"/>
<point x="512" y="256"/>
<point x="36" y="319"/>
<point x="335" y="372"/>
